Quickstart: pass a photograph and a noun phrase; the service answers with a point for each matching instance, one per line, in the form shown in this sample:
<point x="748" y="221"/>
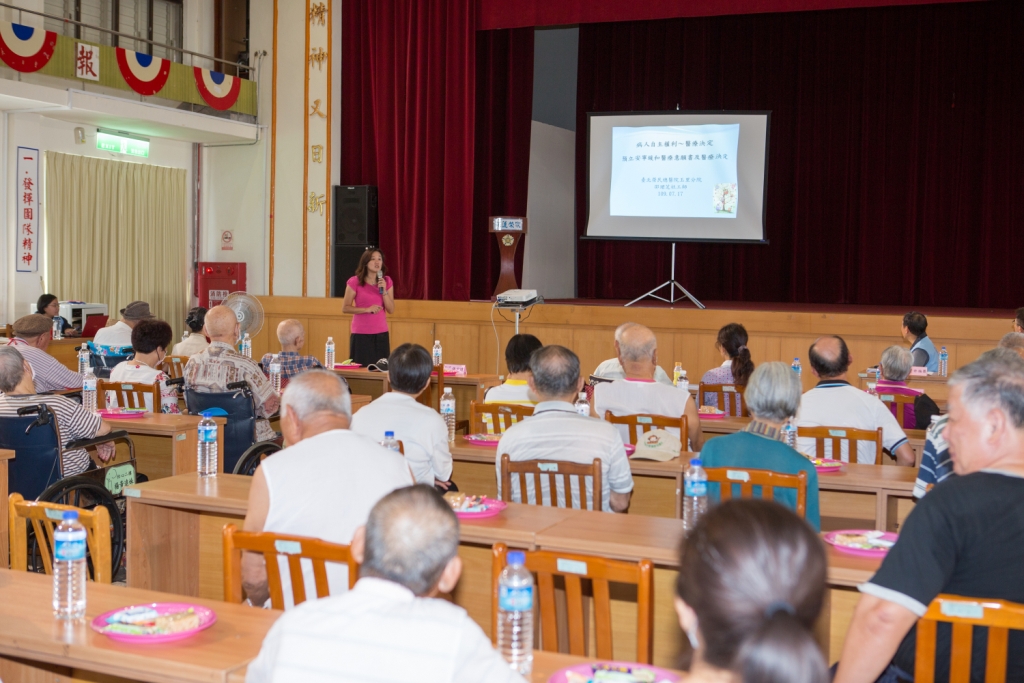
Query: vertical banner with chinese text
<point x="27" y="212"/>
<point x="318" y="140"/>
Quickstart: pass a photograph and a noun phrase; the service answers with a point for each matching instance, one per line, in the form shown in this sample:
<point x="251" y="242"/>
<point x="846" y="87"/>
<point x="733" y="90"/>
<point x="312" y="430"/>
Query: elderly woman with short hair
<point x="772" y="397"/>
<point x="895" y="367"/>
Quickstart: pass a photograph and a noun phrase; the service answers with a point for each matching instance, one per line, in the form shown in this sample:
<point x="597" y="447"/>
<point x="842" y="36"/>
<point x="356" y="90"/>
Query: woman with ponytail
<point x="737" y="368"/>
<point x="750" y="587"/>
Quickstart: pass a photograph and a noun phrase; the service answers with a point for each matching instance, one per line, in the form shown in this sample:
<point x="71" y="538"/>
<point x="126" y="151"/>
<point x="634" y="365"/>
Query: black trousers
<point x="369" y="348"/>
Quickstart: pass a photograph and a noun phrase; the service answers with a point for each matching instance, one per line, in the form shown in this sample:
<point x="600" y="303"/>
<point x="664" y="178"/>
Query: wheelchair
<point x="101" y="363"/>
<point x="242" y="453"/>
<point x="37" y="473"/>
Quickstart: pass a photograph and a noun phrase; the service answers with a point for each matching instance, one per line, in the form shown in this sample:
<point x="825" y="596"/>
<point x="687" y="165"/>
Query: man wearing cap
<point x="120" y="333"/>
<point x="32" y="337"/>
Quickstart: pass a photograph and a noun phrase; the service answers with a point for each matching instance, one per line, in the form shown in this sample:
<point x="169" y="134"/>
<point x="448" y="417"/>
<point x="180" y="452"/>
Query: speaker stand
<point x="671" y="284"/>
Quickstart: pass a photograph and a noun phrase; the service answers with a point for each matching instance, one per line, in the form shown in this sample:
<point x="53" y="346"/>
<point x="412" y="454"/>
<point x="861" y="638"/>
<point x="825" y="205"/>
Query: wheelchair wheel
<point x="85" y="493"/>
<point x="252" y="458"/>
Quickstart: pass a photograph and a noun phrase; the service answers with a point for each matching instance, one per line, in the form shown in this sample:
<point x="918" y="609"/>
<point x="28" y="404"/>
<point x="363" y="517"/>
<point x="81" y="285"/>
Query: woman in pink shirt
<point x="369" y="298"/>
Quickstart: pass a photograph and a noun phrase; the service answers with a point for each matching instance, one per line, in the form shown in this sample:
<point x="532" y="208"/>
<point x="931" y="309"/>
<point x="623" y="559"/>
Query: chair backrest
<point x="574" y="570"/>
<point x="640" y="424"/>
<point x="44" y="517"/>
<point x="35" y="440"/>
<point x="897" y="404"/>
<point x="271" y="546"/>
<point x="768" y="480"/>
<point x="557" y="474"/>
<point x="964" y="614"/>
<point x="836" y="435"/>
<point x="127" y="395"/>
<point x="729" y="397"/>
<point x="174" y="366"/>
<point x="495" y="418"/>
<point x="240" y="430"/>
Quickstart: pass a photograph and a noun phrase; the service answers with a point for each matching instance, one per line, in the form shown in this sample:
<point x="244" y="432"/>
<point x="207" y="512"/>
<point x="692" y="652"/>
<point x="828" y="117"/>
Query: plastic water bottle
<point x="89" y="390"/>
<point x="789" y="433"/>
<point x="797" y="368"/>
<point x="206" y="455"/>
<point x="683" y="383"/>
<point x="515" y="614"/>
<point x="448" y="412"/>
<point x="944" y="362"/>
<point x="329" y="354"/>
<point x="275" y="372"/>
<point x="69" y="567"/>
<point x="581" y="405"/>
<point x="677" y="372"/>
<point x="390" y="442"/>
<point x="437" y="356"/>
<point x="184" y="336"/>
<point x="695" y="494"/>
<point x="247" y="346"/>
<point x="58" y="328"/>
<point x="83" y="359"/>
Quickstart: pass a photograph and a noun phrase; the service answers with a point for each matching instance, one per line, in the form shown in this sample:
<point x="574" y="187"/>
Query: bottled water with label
<point x="797" y="368"/>
<point x="275" y="372"/>
<point x="206" y="455"/>
<point x="676" y="372"/>
<point x="789" y="433"/>
<point x="695" y="494"/>
<point x="581" y="405"/>
<point x="448" y="412"/>
<point x="390" y="442"/>
<point x="944" y="362"/>
<point x="329" y="354"/>
<point x="83" y="359"/>
<point x="683" y="383"/>
<point x="58" y="328"/>
<point x="515" y="614"/>
<point x="69" y="567"/>
<point x="437" y="356"/>
<point x="247" y="346"/>
<point x="89" y="390"/>
<point x="184" y="336"/>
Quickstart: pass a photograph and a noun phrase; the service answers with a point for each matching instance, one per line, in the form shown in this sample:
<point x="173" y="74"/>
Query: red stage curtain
<point x="504" y="107"/>
<point x="408" y="82"/>
<point x="896" y="154"/>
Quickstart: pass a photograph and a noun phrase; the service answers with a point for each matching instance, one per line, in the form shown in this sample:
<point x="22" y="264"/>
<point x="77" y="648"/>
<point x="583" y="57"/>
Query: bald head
<point x="291" y="334"/>
<point x="830" y="357"/>
<point x="637" y="343"/>
<point x="222" y="325"/>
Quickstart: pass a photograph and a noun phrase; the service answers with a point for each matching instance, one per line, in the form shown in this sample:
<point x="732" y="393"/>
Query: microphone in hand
<point x="380" y="283"/>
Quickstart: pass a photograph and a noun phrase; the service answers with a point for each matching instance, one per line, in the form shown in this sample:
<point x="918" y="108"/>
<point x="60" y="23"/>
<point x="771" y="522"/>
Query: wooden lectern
<point x="508" y="230"/>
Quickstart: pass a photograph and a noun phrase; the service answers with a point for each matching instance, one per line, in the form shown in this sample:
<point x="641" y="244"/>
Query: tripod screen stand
<point x="671" y="284"/>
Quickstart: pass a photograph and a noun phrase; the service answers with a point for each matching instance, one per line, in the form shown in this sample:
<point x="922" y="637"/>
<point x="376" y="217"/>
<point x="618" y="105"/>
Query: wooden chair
<point x="484" y="417"/>
<point x="552" y="471"/>
<point x="128" y="395"/>
<point x="897" y="404"/>
<point x="574" y="569"/>
<point x="174" y="366"/>
<point x="44" y="517"/>
<point x="729" y="398"/>
<point x="271" y="546"/>
<point x="640" y="424"/>
<point x="839" y="434"/>
<point x="747" y="479"/>
<point x="964" y="614"/>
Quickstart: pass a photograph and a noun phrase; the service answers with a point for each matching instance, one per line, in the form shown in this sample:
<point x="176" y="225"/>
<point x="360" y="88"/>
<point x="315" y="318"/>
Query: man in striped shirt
<point x="74" y="421"/>
<point x="31" y="338"/>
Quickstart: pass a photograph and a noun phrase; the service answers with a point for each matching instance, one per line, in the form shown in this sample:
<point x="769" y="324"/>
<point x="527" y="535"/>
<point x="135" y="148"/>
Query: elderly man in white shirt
<point x="322" y="485"/>
<point x="834" y="402"/>
<point x="556" y="431"/>
<point x="120" y="333"/>
<point x="392" y="627"/>
<point x="612" y="368"/>
<point x="420" y="428"/>
<point x="639" y="393"/>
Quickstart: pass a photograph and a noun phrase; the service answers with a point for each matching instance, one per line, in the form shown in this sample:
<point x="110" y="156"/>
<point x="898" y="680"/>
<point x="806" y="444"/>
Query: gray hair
<point x="995" y="380"/>
<point x="773" y="392"/>
<point x="620" y="329"/>
<point x="411" y="536"/>
<point x="639" y="344"/>
<point x="316" y="391"/>
<point x="556" y="370"/>
<point x="1013" y="341"/>
<point x="896" y="363"/>
<point x="12" y="368"/>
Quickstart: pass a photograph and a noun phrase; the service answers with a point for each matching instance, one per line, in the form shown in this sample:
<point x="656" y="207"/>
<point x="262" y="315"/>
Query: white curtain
<point x="117" y="232"/>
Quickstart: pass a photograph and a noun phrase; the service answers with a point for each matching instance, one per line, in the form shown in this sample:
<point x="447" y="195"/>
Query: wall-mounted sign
<point x="122" y="144"/>
<point x="27" y="192"/>
<point x="227" y="241"/>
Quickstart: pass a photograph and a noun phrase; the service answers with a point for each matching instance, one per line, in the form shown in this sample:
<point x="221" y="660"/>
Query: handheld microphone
<point x="380" y="282"/>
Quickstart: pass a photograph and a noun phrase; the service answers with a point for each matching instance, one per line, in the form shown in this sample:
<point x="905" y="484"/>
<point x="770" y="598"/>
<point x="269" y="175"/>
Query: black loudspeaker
<point x="344" y="259"/>
<point x="355" y="214"/>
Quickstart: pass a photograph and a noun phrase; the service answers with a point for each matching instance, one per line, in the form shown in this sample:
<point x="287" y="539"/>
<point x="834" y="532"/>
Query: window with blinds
<point x="150" y="21"/>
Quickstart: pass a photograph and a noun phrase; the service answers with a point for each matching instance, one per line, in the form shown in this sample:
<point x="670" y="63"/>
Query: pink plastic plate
<point x="207" y="617"/>
<point x="711" y="416"/>
<point x="491" y="509"/>
<point x="484" y="439"/>
<point x="879" y="551"/>
<point x="587" y="670"/>
<point x="828" y="466"/>
<point x="120" y="413"/>
<point x="347" y="366"/>
<point x="630" y="449"/>
<point x="447" y="374"/>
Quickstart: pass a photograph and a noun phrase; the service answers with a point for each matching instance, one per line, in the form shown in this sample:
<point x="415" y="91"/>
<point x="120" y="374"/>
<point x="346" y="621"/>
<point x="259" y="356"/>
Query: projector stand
<point x="671" y="284"/>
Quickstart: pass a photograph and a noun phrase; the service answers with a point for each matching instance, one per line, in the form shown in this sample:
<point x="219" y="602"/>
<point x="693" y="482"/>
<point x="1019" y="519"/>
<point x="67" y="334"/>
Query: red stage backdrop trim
<point x="495" y="14"/>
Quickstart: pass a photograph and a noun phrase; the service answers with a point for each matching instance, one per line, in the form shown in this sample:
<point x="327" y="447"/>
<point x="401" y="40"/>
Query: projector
<point x="517" y="296"/>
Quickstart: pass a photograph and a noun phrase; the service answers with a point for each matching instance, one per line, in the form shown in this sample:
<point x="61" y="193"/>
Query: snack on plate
<point x="461" y="502"/>
<point x="144" y="621"/>
<point x="866" y="541"/>
<point x="710" y="410"/>
<point x="177" y="622"/>
<point x="820" y="462"/>
<point x="607" y="673"/>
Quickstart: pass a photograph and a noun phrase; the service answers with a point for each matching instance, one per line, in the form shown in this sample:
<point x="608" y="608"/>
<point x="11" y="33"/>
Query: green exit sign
<point x="119" y="144"/>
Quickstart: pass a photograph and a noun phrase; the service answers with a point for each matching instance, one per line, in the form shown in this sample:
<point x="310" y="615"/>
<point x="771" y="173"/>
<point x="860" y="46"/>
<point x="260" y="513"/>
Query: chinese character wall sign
<point x="27" y="210"/>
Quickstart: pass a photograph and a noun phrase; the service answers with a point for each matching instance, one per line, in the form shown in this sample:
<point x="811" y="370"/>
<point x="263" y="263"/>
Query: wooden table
<point x="5" y="540"/>
<point x="166" y="444"/>
<point x="466" y="389"/>
<point x="64" y="350"/>
<point x="35" y="646"/>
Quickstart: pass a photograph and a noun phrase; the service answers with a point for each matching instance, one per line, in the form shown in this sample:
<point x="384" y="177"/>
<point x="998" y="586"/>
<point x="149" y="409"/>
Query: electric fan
<point x="248" y="311"/>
